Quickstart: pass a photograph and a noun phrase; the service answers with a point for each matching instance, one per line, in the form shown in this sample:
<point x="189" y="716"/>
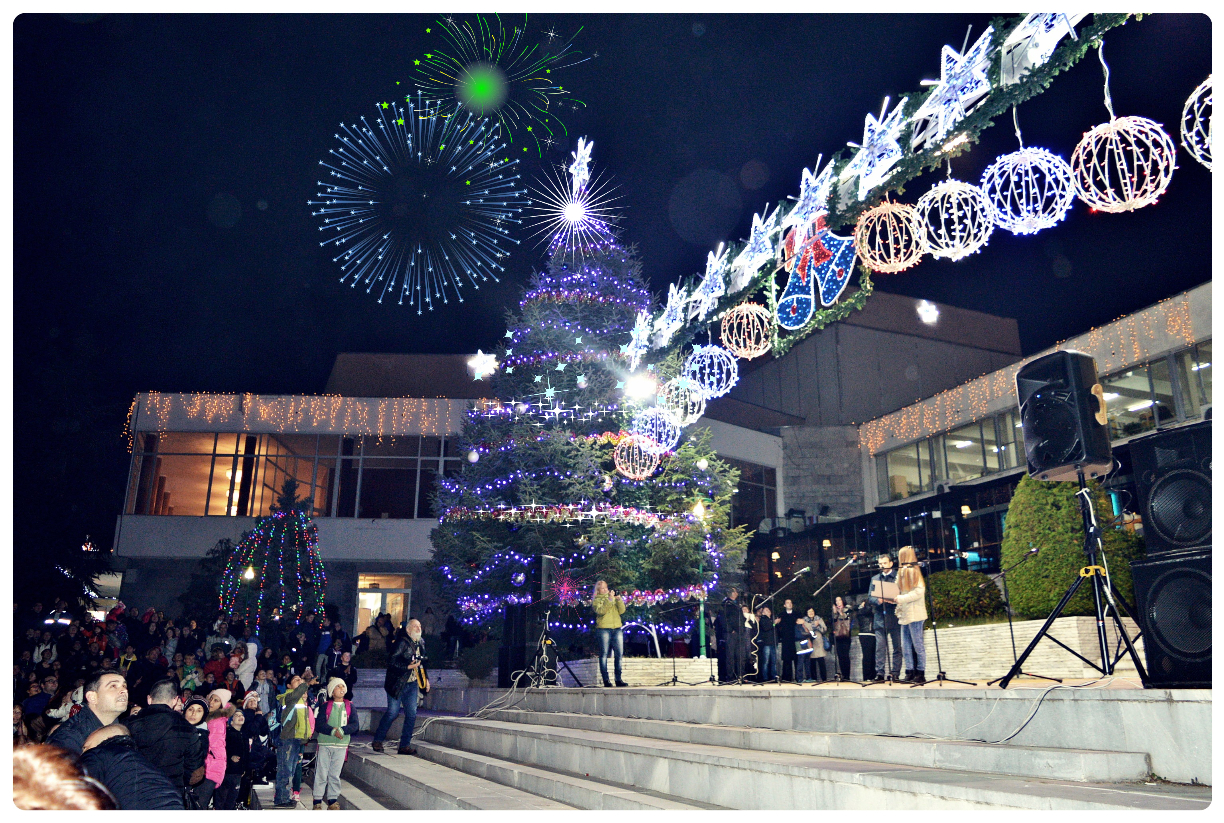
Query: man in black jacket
<point x="113" y="759"/>
<point x="166" y="739"/>
<point x="106" y="697"/>
<point x="401" y="686"/>
<point x="786" y="620"/>
<point x="732" y="618"/>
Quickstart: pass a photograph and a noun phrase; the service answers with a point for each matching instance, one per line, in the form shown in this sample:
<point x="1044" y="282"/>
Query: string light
<point x="888" y="238"/>
<point x="633" y="459"/>
<point x="1196" y="123"/>
<point x="713" y="369"/>
<point x="683" y="399"/>
<point x="1029" y="190"/>
<point x="659" y="429"/>
<point x="957" y="220"/>
<point x="747" y="330"/>
<point x="280" y="531"/>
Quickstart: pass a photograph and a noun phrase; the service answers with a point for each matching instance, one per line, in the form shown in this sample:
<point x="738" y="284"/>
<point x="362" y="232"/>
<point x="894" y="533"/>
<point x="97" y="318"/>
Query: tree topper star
<point x="580" y="174"/>
<point x="880" y="150"/>
<point x="482" y="364"/>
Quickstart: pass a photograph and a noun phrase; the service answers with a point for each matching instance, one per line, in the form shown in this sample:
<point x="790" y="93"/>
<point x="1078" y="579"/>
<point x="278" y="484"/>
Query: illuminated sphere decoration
<point x="633" y="460"/>
<point x="1029" y="190"/>
<point x="889" y="237"/>
<point x="1196" y="123"/>
<point x="957" y="220"/>
<point x="1124" y="164"/>
<point x="659" y="427"/>
<point x="713" y="369"/>
<point x="682" y="398"/>
<point x="746" y="330"/>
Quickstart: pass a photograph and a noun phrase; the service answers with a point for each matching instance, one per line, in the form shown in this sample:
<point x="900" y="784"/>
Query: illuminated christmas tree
<point x="276" y="566"/>
<point x="542" y="475"/>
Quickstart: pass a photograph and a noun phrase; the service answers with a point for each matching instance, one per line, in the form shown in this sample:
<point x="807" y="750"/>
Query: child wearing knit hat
<point x="336" y="722"/>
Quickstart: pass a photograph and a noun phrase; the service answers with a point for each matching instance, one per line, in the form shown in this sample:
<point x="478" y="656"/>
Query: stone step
<point x="783" y="780"/>
<point x="1018" y="761"/>
<point x="414" y="783"/>
<point x="358" y="796"/>
<point x="579" y="791"/>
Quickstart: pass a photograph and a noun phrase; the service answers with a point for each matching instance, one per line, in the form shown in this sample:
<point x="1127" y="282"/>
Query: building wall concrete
<point x="822" y="469"/>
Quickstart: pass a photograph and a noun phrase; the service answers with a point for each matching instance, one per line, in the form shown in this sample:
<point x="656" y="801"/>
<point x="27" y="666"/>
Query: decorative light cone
<point x="681" y="397"/>
<point x="957" y="220"/>
<point x="659" y="427"/>
<point x="1196" y="123"/>
<point x="1124" y="164"/>
<point x="746" y="330"/>
<point x="713" y="369"/>
<point x="1029" y="190"/>
<point x="889" y="237"/>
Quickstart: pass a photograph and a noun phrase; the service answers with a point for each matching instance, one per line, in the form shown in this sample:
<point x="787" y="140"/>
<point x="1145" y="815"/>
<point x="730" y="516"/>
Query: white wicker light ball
<point x="1029" y="190"/>
<point x="746" y="330"/>
<point x="889" y="237"/>
<point x="632" y="459"/>
<point x="659" y="427"/>
<point x="713" y="369"/>
<point x="1124" y="164"/>
<point x="1196" y="123"/>
<point x="681" y="397"/>
<point x="957" y="220"/>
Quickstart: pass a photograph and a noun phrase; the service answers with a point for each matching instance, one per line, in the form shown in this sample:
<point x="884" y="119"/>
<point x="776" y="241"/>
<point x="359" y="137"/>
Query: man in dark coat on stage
<point x="732" y="618"/>
<point x="113" y="759"/>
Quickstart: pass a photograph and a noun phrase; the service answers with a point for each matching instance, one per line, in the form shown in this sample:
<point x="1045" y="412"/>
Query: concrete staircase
<point x="669" y="749"/>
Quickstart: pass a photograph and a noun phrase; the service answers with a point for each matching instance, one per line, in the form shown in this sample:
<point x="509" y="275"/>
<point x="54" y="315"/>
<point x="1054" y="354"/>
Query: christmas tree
<point x="553" y="470"/>
<point x="277" y="566"/>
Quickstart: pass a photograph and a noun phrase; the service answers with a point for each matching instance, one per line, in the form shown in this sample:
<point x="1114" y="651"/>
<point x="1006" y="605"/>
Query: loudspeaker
<point x="1173" y="480"/>
<point x="1173" y="596"/>
<point x="1062" y="412"/>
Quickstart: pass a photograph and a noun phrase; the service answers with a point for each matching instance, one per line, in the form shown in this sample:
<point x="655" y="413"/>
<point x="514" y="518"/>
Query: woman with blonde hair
<point x="911" y="615"/>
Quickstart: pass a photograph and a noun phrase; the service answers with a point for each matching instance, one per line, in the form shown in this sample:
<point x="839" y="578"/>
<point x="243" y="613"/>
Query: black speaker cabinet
<point x="1172" y="472"/>
<point x="1173" y="596"/>
<point x="1062" y="412"/>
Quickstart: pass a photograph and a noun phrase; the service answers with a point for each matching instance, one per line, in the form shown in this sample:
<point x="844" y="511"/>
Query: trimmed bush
<point x="478" y="661"/>
<point x="1047" y="516"/>
<point x="960" y="594"/>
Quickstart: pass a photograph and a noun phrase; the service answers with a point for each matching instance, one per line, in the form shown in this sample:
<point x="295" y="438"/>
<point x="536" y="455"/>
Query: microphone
<point x="805" y="570"/>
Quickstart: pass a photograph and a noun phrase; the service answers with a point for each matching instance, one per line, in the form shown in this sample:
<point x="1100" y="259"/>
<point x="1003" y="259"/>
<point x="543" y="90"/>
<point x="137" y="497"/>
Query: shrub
<point x="478" y="661"/>
<point x="1047" y="516"/>
<point x="960" y="594"/>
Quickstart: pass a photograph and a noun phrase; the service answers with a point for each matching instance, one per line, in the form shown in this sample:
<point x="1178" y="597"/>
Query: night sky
<point x="162" y="239"/>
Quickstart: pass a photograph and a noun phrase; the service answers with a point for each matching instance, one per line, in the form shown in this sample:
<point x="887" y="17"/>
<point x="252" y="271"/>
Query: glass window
<point x="1186" y="366"/>
<point x="963" y="451"/>
<point x="391" y="446"/>
<point x="1011" y="440"/>
<point x="990" y="444"/>
<point x="383" y="581"/>
<point x="904" y="477"/>
<point x="1204" y="369"/>
<point x="382" y="594"/>
<point x="426" y="488"/>
<point x="223" y="499"/>
<point x="182" y="484"/>
<point x="939" y="468"/>
<point x="186" y="443"/>
<point x="431" y="447"/>
<point x="756" y="497"/>
<point x="1165" y="408"/>
<point x="1128" y="401"/>
<point x="388" y="488"/>
<point x="346" y="496"/>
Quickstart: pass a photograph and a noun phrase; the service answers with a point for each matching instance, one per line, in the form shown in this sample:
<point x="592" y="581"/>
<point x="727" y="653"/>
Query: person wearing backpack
<point x="335" y="723"/>
<point x="296" y="727"/>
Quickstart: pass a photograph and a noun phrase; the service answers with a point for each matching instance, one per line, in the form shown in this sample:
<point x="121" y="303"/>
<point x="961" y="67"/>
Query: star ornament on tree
<point x="579" y="170"/>
<point x="755" y="253"/>
<point x="1031" y="43"/>
<point x="961" y="87"/>
<point x="880" y="150"/>
<point x="482" y="364"/>
<point x="712" y="287"/>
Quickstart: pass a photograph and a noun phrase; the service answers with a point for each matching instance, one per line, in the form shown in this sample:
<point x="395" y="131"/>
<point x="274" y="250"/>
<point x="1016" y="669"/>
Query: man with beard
<point x="407" y="656"/>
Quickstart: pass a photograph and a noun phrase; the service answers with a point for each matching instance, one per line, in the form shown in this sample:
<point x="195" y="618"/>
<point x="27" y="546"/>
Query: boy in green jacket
<point x="609" y="607"/>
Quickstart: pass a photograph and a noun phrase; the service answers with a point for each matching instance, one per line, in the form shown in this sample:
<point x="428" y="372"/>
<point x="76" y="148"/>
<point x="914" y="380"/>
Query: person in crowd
<point x="219" y="713"/>
<point x="36" y="704"/>
<point x="346" y="670"/>
<point x="249" y="636"/>
<point x="401" y="686"/>
<point x="113" y="758"/>
<point x="294" y="731"/>
<point x="127" y="659"/>
<point x="608" y="607"/>
<point x="264" y="690"/>
<point x="45" y="643"/>
<point x="167" y="739"/>
<point x="267" y="660"/>
<point x="841" y="636"/>
<point x="865" y="615"/>
<point x="218" y="665"/>
<point x="106" y="697"/>
<point x="336" y="723"/>
<point x="429" y="622"/>
<point x="190" y="675"/>
<point x="748" y="650"/>
<point x="170" y="643"/>
<point x="911" y="614"/>
<point x="767" y="644"/>
<point x="255" y="727"/>
<point x="787" y="619"/>
<point x="147" y="638"/>
<point x="47" y="778"/>
<point x="21" y="734"/>
<point x="301" y="652"/>
<point x="331" y="660"/>
<point x="234" y="685"/>
<point x="817" y="630"/>
<point x="451" y="636"/>
<point x="45" y="667"/>
<point x="323" y="645"/>
<point x="189" y="638"/>
<point x="144" y="673"/>
<point x="285" y="668"/>
<point x="732" y="617"/>
<point x="221" y="638"/>
<point x="887" y="630"/>
<point x="237" y="753"/>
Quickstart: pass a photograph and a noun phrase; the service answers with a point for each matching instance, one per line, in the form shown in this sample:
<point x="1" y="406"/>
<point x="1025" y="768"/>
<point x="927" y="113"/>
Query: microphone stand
<point x="1002" y="575"/>
<point x="767" y="602"/>
<point x="675" y="681"/>
<point x="834" y="662"/>
<point x="940" y="676"/>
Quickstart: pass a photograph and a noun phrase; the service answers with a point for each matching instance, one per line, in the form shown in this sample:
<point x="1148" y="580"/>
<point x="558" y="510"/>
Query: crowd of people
<point x="155" y="713"/>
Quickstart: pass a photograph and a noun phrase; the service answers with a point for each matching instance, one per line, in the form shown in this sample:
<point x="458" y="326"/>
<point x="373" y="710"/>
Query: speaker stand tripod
<point x="1093" y="572"/>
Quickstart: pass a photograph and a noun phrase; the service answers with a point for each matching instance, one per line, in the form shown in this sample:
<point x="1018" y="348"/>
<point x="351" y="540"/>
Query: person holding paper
<point x="884" y="599"/>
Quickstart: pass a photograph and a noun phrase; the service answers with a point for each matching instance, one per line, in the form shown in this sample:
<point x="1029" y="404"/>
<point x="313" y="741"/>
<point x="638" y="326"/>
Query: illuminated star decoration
<point x="961" y="87"/>
<point x="639" y="340"/>
<point x="755" y="253"/>
<point x="1031" y="43"/>
<point x="813" y="194"/>
<point x="482" y="364"/>
<point x="705" y="296"/>
<point x="880" y="150"/>
<point x="673" y="315"/>
<point x="573" y="215"/>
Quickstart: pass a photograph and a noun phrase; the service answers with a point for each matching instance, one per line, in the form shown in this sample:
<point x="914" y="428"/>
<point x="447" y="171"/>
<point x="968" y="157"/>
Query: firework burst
<point x="419" y="203"/>
<point x="484" y="68"/>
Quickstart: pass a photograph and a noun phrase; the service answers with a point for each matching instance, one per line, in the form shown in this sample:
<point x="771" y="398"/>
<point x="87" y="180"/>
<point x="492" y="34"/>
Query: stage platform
<point x="832" y="746"/>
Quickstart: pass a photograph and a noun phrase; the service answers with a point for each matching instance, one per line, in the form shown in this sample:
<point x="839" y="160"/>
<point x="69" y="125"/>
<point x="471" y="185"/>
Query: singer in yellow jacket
<point x="609" y="607"/>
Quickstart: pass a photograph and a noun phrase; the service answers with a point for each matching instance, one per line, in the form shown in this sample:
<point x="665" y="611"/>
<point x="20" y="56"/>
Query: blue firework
<point x="420" y="203"/>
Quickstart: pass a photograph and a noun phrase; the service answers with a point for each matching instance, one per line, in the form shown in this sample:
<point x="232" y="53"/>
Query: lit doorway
<point x="382" y="593"/>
